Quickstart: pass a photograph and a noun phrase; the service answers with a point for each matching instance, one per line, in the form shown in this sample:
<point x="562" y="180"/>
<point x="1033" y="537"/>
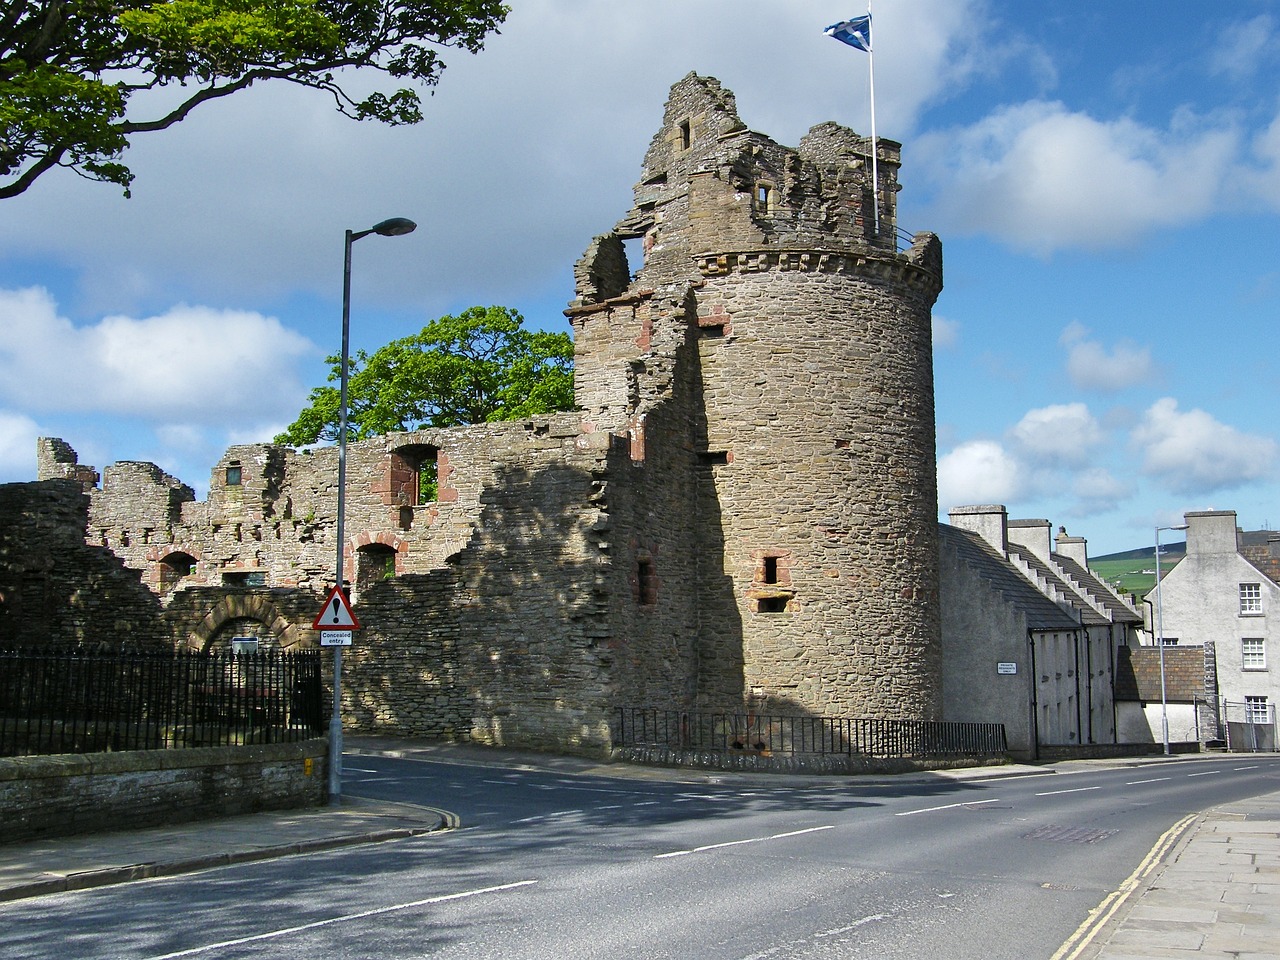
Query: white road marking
<point x="1254" y="767"/>
<point x="1020" y="776"/>
<point x="949" y="806"/>
<point x="1134" y="783"/>
<point x="1207" y="773"/>
<point x="737" y="843"/>
<point x="1054" y="793"/>
<point x="343" y="919"/>
<point x="853" y="926"/>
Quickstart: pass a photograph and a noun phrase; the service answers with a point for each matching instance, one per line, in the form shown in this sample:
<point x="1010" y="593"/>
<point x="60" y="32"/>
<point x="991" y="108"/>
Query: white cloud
<point x="978" y="471"/>
<point x="1091" y="366"/>
<point x="946" y="333"/>
<point x="190" y="365"/>
<point x="1263" y="179"/>
<point x="251" y="194"/>
<point x="1098" y="491"/>
<point x="17" y="447"/>
<point x="1240" y="48"/>
<point x="1066" y="434"/>
<point x="1193" y="453"/>
<point x="1041" y="177"/>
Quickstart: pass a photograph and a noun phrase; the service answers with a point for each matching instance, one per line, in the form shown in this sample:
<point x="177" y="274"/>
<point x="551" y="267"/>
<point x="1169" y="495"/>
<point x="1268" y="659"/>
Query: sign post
<point x="336" y="622"/>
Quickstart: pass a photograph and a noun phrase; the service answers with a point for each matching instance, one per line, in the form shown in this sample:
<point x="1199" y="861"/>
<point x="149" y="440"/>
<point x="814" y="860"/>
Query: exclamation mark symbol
<point x="336" y="609"/>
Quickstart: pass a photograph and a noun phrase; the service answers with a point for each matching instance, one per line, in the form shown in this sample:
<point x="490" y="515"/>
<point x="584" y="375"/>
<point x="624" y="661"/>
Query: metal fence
<point x="78" y="701"/>
<point x="764" y="733"/>
<point x="1250" y="727"/>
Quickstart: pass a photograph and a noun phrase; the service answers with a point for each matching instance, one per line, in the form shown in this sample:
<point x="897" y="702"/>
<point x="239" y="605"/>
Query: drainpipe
<point x="1088" y="662"/>
<point x="1035" y="698"/>
<point x="1079" y="723"/>
<point x="1111" y="682"/>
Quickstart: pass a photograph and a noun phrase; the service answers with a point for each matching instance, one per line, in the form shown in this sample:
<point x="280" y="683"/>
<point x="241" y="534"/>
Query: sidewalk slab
<point x="60" y="864"/>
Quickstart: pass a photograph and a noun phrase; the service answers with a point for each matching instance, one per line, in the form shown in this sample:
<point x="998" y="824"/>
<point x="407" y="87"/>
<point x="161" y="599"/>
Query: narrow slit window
<point x="686" y="135"/>
<point x="770" y="569"/>
<point x="646" y="582"/>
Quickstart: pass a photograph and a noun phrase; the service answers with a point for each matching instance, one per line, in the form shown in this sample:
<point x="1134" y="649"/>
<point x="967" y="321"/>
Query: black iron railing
<point x="78" y="701"/>
<point x="773" y="734"/>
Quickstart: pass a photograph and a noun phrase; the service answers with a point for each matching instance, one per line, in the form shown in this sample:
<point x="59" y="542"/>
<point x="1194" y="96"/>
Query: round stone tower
<point x="775" y="349"/>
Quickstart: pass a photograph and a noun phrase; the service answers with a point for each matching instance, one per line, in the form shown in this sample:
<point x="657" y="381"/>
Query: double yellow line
<point x="1100" y="915"/>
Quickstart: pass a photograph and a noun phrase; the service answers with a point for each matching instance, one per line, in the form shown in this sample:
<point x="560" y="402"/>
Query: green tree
<point x="478" y="367"/>
<point x="69" y="68"/>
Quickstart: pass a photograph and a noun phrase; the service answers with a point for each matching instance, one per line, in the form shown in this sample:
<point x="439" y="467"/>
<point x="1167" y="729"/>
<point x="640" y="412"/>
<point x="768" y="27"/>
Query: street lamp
<point x="395" y="227"/>
<point x="1164" y="702"/>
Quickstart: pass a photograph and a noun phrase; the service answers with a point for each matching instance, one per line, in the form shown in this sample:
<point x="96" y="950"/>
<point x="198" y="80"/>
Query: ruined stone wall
<point x="741" y="509"/>
<point x="56" y="588"/>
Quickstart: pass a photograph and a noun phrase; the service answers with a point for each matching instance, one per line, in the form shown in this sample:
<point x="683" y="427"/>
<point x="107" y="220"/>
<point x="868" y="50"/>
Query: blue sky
<point x="1105" y="178"/>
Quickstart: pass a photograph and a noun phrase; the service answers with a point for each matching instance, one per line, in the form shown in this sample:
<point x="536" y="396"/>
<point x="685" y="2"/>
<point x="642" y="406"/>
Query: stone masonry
<point x="740" y="512"/>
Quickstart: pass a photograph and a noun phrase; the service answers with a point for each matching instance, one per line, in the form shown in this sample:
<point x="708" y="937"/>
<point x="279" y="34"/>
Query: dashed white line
<point x="738" y="843"/>
<point x="1254" y="767"/>
<point x="1054" y="793"/>
<point x="1134" y="783"/>
<point x="1207" y="773"/>
<point x="949" y="806"/>
<point x="343" y="919"/>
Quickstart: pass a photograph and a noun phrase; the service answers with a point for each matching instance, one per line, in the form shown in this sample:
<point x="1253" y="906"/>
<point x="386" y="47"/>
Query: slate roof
<point x="1041" y="613"/>
<point x="1138" y="674"/>
<point x="1088" y="616"/>
<point x="1120" y="611"/>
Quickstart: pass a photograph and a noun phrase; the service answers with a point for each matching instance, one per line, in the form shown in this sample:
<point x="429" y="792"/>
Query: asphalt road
<point x="555" y="866"/>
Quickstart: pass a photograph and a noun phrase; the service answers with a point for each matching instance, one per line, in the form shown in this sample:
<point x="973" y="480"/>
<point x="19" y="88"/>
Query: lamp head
<point x="395" y="227"/>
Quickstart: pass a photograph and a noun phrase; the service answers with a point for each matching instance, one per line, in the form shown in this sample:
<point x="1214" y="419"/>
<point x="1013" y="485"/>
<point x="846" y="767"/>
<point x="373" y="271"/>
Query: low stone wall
<point x="1111" y="751"/>
<point x="749" y="761"/>
<point x="68" y="794"/>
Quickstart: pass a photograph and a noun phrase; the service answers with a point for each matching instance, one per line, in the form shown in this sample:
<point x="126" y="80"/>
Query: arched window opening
<point x="374" y="563"/>
<point x="173" y="568"/>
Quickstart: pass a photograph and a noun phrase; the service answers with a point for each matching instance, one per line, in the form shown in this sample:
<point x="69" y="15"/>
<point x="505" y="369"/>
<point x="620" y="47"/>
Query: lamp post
<point x="395" y="227"/>
<point x="1164" y="702"/>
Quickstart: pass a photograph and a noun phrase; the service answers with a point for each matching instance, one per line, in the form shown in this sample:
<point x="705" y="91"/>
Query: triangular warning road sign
<point x="336" y="613"/>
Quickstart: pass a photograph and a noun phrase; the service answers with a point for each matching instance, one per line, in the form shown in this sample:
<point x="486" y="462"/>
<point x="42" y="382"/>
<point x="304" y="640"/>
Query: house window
<point x="1250" y="598"/>
<point x="233" y="473"/>
<point x="686" y="135"/>
<point x="1253" y="653"/>
<point x="1168" y="641"/>
<point x="1256" y="710"/>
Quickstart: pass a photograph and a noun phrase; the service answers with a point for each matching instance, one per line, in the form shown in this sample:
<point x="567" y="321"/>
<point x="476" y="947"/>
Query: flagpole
<point x="875" y="151"/>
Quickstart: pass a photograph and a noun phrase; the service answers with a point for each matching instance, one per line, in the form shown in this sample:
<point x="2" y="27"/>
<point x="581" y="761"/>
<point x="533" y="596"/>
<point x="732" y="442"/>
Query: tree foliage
<point x="69" y="68"/>
<point x="478" y="367"/>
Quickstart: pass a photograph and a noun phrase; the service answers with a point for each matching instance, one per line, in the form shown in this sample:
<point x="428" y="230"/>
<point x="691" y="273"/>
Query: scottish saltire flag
<point x="855" y="32"/>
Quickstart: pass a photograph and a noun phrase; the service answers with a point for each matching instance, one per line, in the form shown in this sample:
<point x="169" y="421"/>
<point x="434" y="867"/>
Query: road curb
<point x="128" y="873"/>
<point x="1106" y="915"/>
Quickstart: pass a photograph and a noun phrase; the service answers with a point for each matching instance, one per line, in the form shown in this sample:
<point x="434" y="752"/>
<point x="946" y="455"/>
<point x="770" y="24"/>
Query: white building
<point x="1218" y="596"/>
<point x="1030" y="637"/>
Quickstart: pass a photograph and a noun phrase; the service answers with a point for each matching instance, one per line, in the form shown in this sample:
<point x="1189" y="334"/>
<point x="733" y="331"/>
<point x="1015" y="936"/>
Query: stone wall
<point x="741" y="509"/>
<point x="63" y="795"/>
<point x="56" y="588"/>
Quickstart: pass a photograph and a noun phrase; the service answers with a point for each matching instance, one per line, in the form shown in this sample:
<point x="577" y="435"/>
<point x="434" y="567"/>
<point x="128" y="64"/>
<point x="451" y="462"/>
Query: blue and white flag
<point x="855" y="32"/>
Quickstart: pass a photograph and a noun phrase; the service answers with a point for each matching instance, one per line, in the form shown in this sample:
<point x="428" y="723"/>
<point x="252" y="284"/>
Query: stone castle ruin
<point x="741" y="511"/>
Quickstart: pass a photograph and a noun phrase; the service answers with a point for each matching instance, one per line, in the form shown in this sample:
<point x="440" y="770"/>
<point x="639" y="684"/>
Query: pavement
<point x="1210" y="888"/>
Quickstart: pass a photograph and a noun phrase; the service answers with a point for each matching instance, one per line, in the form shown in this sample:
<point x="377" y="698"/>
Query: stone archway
<point x="284" y="633"/>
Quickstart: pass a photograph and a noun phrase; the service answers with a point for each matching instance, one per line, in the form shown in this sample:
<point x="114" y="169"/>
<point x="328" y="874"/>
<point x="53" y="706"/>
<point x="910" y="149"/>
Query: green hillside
<point x="1134" y="571"/>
